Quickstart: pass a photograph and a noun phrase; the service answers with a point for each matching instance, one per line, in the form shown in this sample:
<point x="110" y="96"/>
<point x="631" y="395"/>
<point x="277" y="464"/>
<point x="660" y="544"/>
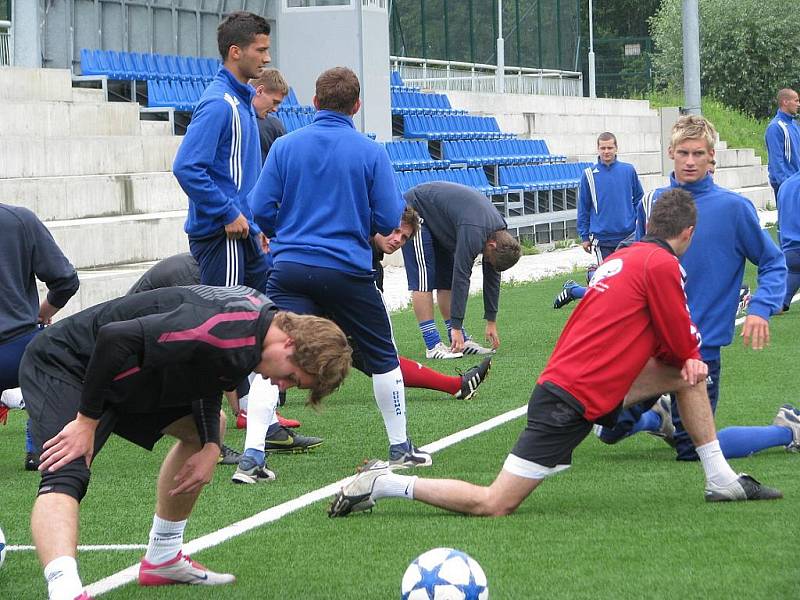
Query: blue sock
<point x="429" y="333"/>
<point x="273" y="428"/>
<point x="578" y="291"/>
<point x="450" y="329"/>
<point x="256" y="456"/>
<point x="649" y="421"/>
<point x="737" y="442"/>
<point x="29" y="447"/>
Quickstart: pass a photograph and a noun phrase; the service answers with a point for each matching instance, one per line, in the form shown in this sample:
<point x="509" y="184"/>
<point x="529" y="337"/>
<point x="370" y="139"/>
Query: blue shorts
<point x="351" y="301"/>
<point x="225" y="262"/>
<point x="428" y="265"/>
<point x="11" y="352"/>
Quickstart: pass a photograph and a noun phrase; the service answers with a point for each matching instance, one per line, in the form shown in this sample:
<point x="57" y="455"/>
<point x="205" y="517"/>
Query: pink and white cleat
<point x="181" y="569"/>
<point x="83" y="596"/>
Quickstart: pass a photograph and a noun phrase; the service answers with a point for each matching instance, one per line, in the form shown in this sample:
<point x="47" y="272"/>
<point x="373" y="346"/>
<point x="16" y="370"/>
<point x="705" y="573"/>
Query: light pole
<point x="691" y="57"/>
<point x="592" y="90"/>
<point x="500" y="75"/>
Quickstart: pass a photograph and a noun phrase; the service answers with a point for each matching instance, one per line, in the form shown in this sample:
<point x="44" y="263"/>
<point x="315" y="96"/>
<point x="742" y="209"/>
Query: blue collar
<point x="245" y="91"/>
<point x="706" y="184"/>
<point x="334" y="117"/>
<point x="600" y="163"/>
<point x="784" y="116"/>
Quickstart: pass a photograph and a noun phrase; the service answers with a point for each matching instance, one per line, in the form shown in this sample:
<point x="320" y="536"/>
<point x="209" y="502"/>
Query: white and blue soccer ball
<point x="2" y="548"/>
<point x="444" y="574"/>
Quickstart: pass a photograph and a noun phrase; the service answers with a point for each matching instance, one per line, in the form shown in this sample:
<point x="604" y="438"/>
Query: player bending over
<point x="632" y="334"/>
<point x="149" y="365"/>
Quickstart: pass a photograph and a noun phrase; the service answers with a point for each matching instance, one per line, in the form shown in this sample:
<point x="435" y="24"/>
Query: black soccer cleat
<point x="472" y="378"/>
<point x="744" y="488"/>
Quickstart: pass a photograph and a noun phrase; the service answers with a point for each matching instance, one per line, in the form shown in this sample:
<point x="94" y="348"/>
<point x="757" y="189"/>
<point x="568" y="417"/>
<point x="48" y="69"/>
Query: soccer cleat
<point x="181" y="569"/>
<point x="284" y="440"/>
<point x="473" y="347"/>
<point x="241" y="420"/>
<point x="31" y="461"/>
<point x="473" y="378"/>
<point x="356" y="496"/>
<point x="290" y="423"/>
<point x="83" y="596"/>
<point x="788" y="416"/>
<point x="744" y="299"/>
<point x="664" y="409"/>
<point x="744" y="488"/>
<point x="3" y="414"/>
<point x="407" y="455"/>
<point x="565" y="297"/>
<point x="441" y="351"/>
<point x="228" y="456"/>
<point x="249" y="472"/>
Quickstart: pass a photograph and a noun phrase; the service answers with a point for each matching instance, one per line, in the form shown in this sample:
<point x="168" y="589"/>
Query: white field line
<point x="96" y="548"/>
<point x="276" y="512"/>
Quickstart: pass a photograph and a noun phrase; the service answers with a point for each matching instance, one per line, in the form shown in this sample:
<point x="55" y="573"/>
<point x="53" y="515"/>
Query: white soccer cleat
<point x="180" y="570"/>
<point x="441" y="351"/>
<point x="473" y="347"/>
<point x="356" y="496"/>
<point x="788" y="416"/>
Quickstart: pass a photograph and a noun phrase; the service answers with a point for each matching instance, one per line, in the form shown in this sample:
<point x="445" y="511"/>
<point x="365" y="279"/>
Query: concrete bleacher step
<point x="586" y="143"/>
<point x="78" y="197"/>
<point x="100" y="285"/>
<point x="88" y="95"/>
<point x="61" y="119"/>
<point x="547" y="123"/>
<point x="108" y="241"/>
<point x="98" y="155"/>
<point x="35" y="85"/>
<point x="762" y="196"/>
<point x="156" y="127"/>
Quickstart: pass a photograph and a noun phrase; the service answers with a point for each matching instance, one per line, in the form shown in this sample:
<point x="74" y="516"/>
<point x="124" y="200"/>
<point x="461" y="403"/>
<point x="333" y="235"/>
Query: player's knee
<point x="71" y="479"/>
<point x="493" y="504"/>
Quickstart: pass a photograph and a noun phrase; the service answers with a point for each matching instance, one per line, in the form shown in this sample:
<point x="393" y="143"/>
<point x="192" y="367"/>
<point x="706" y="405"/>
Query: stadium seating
<point x="124" y="66"/>
<point x="542" y="177"/>
<point x="412" y="155"/>
<point x="475" y="178"/>
<point x="451" y="127"/>
<point x="498" y="152"/>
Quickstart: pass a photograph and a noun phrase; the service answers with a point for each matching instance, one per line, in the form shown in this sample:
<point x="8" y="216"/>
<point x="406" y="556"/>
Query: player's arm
<point x="491" y="302"/>
<point x="115" y="343"/>
<point x="52" y="267"/>
<point x="637" y="193"/>
<point x="469" y="243"/>
<point x="758" y="247"/>
<point x="584" y="212"/>
<point x="266" y="196"/>
<point x="775" y="139"/>
<point x="678" y="337"/>
<point x="196" y="156"/>
<point x="386" y="202"/>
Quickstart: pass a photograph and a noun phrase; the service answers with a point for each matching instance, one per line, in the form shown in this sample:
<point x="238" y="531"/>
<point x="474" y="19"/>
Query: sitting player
<point x="631" y="337"/>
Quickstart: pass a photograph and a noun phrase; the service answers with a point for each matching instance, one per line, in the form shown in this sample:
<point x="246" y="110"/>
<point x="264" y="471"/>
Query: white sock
<point x="390" y="396"/>
<point x="261" y="404"/>
<point x="63" y="582"/>
<point x="392" y="485"/>
<point x="12" y="398"/>
<point x="717" y="469"/>
<point x="166" y="540"/>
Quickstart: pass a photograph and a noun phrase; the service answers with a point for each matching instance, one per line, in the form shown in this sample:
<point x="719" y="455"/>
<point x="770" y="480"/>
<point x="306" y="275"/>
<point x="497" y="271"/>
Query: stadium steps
<point x="112" y="241"/>
<point x="59" y="119"/>
<point x="545" y="124"/>
<point x="54" y="198"/>
<point x="95" y="155"/>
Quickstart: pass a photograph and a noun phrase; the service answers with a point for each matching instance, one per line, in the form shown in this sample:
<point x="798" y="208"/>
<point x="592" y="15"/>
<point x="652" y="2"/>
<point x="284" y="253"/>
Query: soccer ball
<point x="2" y="547"/>
<point x="444" y="574"/>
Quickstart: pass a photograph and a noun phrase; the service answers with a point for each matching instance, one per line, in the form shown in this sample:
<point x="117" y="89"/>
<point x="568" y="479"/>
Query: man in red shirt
<point x="630" y="337"/>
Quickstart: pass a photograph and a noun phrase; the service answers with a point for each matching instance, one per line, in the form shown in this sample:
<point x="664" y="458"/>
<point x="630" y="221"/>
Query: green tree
<point x="748" y="50"/>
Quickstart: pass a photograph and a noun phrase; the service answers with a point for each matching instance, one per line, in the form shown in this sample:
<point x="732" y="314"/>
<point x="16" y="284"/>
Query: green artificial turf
<point x="627" y="521"/>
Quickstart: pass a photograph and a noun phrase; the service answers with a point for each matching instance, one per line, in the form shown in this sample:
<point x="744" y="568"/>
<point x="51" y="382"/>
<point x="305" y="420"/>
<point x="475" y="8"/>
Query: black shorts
<point x="52" y="403"/>
<point x="555" y="428"/>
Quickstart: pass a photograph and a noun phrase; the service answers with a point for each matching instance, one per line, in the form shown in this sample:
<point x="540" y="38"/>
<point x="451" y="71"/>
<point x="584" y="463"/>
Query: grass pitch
<point x="625" y="522"/>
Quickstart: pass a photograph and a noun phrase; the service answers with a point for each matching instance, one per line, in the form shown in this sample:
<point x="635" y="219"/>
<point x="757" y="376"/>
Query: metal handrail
<point x="477" y="77"/>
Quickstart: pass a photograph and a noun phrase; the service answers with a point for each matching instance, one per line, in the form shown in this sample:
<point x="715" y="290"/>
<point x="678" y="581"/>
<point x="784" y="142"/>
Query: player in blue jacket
<point x="789" y="225"/>
<point x="783" y="140"/>
<point x="324" y="190"/>
<point x="609" y="193"/>
<point x="220" y="157"/>
<point x="728" y="234"/>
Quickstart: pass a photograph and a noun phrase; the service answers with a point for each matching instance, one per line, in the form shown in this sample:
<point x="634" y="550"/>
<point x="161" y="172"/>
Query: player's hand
<point x="264" y="243"/>
<point x="587" y="246"/>
<point x="238" y="229"/>
<point x="755" y="332"/>
<point x="457" y="340"/>
<point x="197" y="471"/>
<point x="492" y="335"/>
<point x="74" y="441"/>
<point x="694" y="371"/>
<point x="46" y="312"/>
